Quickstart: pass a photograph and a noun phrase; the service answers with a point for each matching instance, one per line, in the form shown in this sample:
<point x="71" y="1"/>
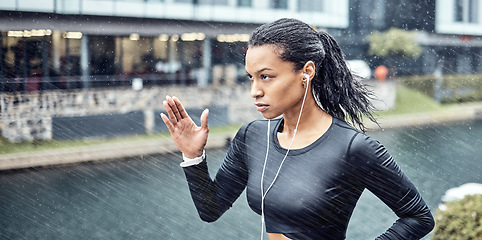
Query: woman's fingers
<point x="180" y="107"/>
<point x="174" y="108"/>
<point x="189" y="138"/>
<point x="170" y="112"/>
<point x="168" y="123"/>
<point x="204" y="118"/>
<point x="175" y="112"/>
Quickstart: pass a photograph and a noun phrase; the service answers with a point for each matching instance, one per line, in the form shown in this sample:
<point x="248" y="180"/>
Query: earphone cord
<point x="263" y="193"/>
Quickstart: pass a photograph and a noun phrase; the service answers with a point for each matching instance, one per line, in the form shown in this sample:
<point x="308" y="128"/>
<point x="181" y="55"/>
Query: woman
<point x="305" y="171"/>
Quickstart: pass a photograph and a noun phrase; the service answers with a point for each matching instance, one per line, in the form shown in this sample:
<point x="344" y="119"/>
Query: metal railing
<point x="38" y="83"/>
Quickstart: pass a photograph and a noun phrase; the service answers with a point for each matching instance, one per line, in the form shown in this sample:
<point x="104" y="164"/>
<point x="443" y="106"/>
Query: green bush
<point x="459" y="220"/>
<point x="454" y="88"/>
<point x="394" y="42"/>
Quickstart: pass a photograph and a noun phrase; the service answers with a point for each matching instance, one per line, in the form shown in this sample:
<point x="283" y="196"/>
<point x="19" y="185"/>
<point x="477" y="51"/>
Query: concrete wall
<point x="109" y="113"/>
<point x="114" y="112"/>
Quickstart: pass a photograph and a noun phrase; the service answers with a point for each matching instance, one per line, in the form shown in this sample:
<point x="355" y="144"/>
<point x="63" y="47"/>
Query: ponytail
<point x="337" y="90"/>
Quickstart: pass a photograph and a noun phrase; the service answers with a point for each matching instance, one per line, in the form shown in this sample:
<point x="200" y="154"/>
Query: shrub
<point x="459" y="220"/>
<point x="394" y="42"/>
<point x="454" y="88"/>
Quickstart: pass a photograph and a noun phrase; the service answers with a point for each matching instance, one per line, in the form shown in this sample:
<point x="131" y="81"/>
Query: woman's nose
<point x="255" y="90"/>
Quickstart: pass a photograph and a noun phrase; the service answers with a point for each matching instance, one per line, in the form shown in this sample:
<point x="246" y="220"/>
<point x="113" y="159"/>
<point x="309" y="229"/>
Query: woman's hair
<point x="334" y="86"/>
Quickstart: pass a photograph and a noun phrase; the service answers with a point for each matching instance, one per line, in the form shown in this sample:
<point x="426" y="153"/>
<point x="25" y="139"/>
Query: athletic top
<point x="318" y="185"/>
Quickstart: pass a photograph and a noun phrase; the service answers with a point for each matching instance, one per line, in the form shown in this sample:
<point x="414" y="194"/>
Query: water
<point x="147" y="197"/>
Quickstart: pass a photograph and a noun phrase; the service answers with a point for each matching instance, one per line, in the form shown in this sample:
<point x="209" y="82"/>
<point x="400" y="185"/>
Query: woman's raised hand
<point x="188" y="137"/>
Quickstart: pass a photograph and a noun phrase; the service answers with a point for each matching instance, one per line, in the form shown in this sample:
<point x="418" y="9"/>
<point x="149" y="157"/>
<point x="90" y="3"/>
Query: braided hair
<point x="335" y="88"/>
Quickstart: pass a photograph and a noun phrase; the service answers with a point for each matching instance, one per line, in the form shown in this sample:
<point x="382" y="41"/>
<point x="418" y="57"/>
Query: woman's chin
<point x="269" y="116"/>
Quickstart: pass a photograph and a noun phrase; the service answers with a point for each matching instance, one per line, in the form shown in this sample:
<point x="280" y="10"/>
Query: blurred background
<point x="84" y="80"/>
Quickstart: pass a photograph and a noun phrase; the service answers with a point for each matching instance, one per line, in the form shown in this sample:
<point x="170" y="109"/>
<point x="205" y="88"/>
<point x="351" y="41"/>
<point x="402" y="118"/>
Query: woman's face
<point x="275" y="86"/>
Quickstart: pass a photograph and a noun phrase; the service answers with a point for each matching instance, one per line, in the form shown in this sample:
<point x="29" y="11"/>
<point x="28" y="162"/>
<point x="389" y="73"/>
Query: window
<point x="466" y="11"/>
<point x="279" y="4"/>
<point x="213" y="2"/>
<point x="310" y="5"/>
<point x="244" y="3"/>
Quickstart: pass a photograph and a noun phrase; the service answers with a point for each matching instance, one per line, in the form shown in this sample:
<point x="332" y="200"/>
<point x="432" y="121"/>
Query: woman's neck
<point x="312" y="117"/>
<point x="312" y="126"/>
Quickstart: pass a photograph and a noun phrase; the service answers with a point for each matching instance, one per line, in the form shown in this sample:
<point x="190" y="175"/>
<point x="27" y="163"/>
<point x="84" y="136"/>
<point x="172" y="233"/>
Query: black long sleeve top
<point x="318" y="186"/>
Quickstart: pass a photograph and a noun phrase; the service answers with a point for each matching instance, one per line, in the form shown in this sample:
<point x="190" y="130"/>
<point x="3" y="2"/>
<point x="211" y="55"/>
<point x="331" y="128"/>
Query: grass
<point x="408" y="101"/>
<point x="411" y="101"/>
<point x="7" y="147"/>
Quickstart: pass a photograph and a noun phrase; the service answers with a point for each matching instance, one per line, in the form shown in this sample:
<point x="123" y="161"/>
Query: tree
<point x="393" y="44"/>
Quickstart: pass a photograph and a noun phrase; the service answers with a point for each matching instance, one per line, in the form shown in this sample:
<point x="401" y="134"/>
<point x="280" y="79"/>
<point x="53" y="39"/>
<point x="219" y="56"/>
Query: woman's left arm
<point x="378" y="172"/>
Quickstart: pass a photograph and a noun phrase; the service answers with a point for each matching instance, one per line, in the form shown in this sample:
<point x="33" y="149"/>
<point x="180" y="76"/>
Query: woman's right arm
<point x="211" y="198"/>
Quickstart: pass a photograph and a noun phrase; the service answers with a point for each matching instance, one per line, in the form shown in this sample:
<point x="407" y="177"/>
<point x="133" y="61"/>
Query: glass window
<point x="137" y="55"/>
<point x="466" y="11"/>
<point x="102" y="60"/>
<point x="12" y="63"/>
<point x="310" y="5"/>
<point x="213" y="2"/>
<point x="473" y="11"/>
<point x="459" y="10"/>
<point x="192" y="54"/>
<point x="279" y="4"/>
<point x="158" y="60"/>
<point x="25" y="60"/>
<point x="244" y="3"/>
<point x="34" y="63"/>
<point x="66" y="56"/>
<point x="102" y="49"/>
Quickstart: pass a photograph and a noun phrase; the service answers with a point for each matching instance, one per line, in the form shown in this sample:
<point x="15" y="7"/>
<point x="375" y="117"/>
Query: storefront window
<point x="65" y="60"/>
<point x="310" y="5"/>
<point x="213" y="2"/>
<point x="72" y="60"/>
<point x="244" y="3"/>
<point x="279" y="4"/>
<point x="228" y="62"/>
<point x="24" y="62"/>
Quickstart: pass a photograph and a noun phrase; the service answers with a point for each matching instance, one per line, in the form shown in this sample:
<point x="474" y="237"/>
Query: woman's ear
<point x="309" y="69"/>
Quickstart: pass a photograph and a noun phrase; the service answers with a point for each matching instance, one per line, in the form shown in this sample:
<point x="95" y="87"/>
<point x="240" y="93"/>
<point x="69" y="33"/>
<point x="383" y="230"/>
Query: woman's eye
<point x="264" y="77"/>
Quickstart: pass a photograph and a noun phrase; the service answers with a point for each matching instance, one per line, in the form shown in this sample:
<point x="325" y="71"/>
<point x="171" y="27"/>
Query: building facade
<point x="52" y="44"/>
<point x="100" y="54"/>
<point x="450" y="32"/>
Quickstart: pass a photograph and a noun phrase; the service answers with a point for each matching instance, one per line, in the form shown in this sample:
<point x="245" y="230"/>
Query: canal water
<point x="147" y="197"/>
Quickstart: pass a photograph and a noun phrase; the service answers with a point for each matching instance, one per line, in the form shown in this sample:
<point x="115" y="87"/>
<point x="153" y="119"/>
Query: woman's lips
<point x="261" y="107"/>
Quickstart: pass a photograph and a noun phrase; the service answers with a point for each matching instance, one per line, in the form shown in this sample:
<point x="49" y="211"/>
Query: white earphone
<point x="263" y="192"/>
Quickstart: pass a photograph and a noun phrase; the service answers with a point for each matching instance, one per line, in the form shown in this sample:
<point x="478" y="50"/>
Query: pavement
<point x="132" y="148"/>
<point x="454" y="113"/>
<point x="101" y="152"/>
